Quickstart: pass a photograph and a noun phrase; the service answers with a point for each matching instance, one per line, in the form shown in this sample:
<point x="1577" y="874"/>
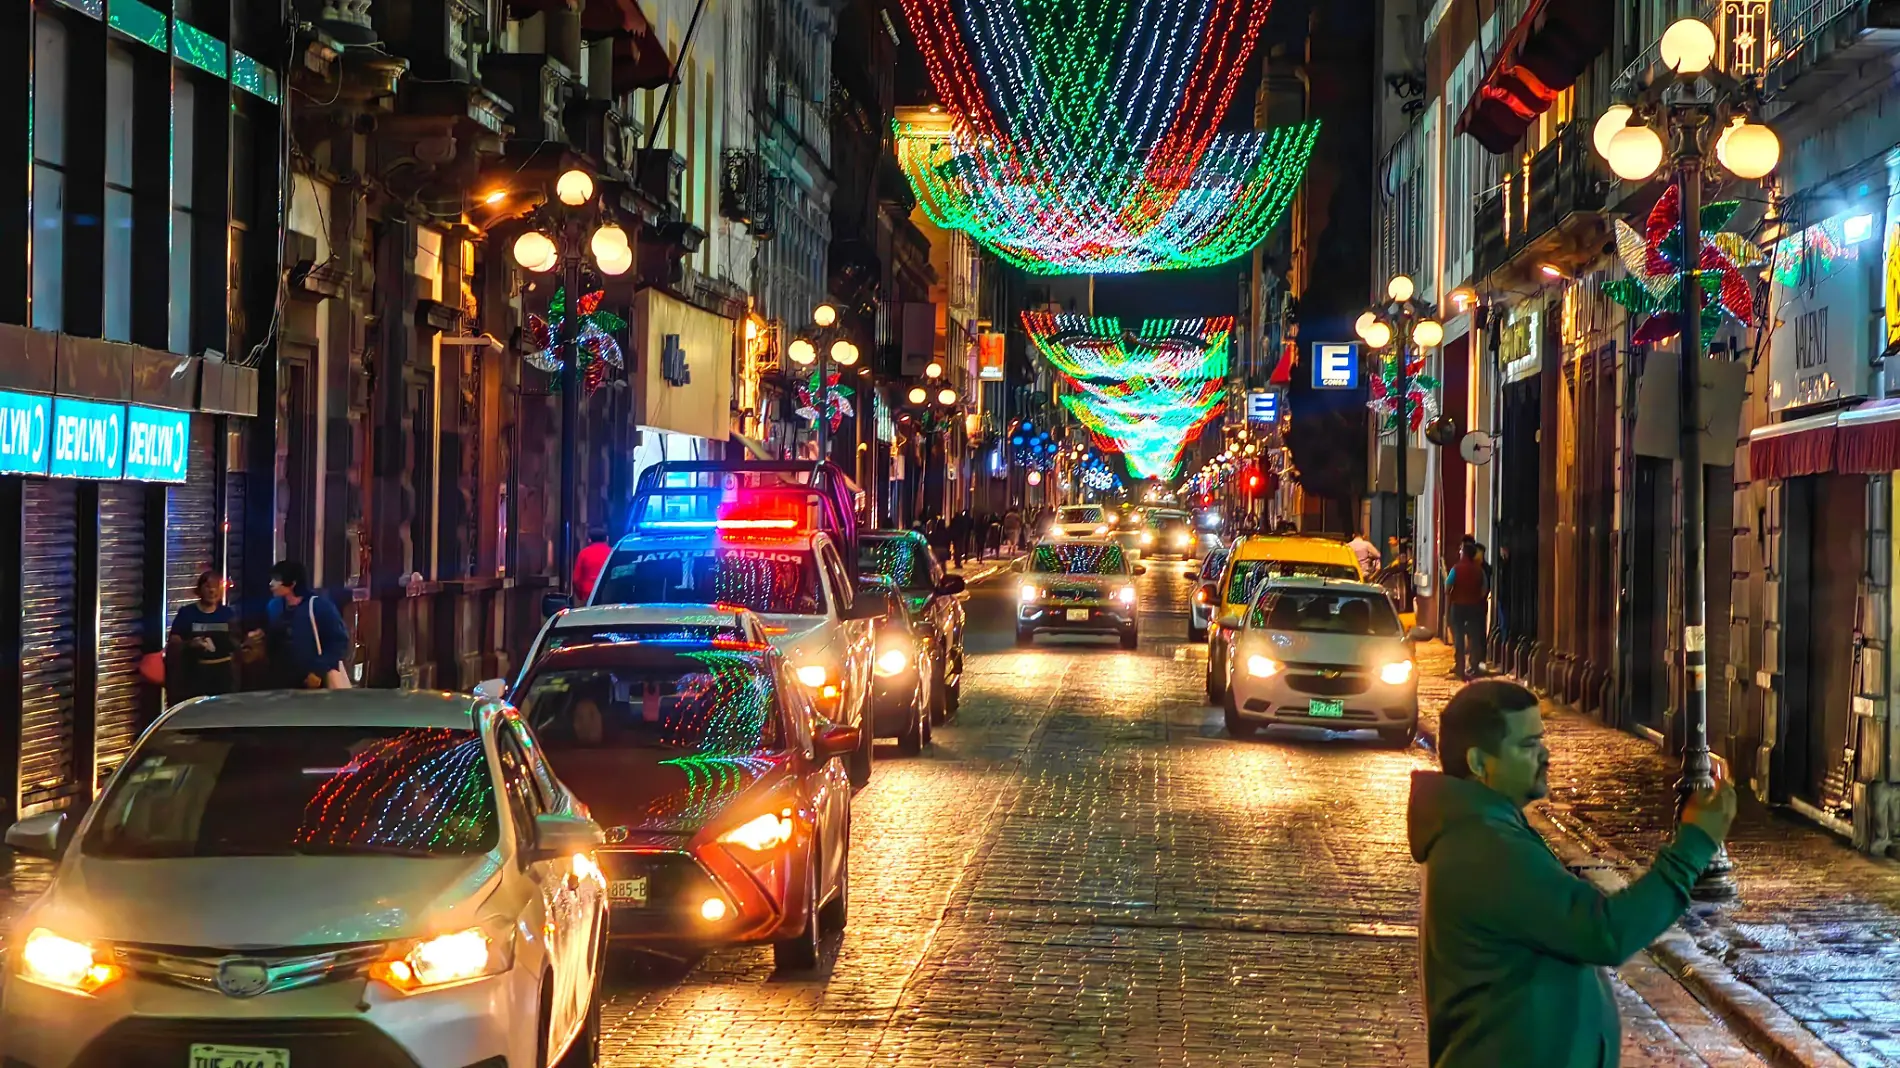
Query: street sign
<point x="157" y="442"/>
<point x="1335" y="365"/>
<point x="24" y="418"/>
<point x="1263" y="406"/>
<point x="88" y="439"/>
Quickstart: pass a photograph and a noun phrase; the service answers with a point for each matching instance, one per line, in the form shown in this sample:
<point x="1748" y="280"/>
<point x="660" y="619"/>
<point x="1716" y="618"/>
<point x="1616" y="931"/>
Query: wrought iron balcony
<point x="536" y="88"/>
<point x="1821" y="42"/>
<point x="1550" y="213"/>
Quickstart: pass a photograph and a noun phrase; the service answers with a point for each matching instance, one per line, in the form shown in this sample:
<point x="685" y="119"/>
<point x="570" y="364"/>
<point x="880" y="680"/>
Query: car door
<point x="556" y="884"/>
<point x="824" y="786"/>
<point x="856" y="651"/>
<point x="946" y="622"/>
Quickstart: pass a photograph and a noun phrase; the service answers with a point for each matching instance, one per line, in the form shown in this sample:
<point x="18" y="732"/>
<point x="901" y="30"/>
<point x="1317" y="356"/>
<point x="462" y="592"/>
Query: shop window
<point x="184" y="151"/>
<point x="49" y="172"/>
<point x="118" y="236"/>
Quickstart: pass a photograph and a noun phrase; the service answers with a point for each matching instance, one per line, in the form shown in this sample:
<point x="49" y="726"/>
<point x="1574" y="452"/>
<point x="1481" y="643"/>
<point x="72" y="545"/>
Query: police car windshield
<point x="775" y="580"/>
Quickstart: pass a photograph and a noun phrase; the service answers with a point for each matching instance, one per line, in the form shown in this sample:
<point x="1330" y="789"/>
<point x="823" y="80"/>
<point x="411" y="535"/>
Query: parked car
<point x="1200" y="606"/>
<point x="904" y="674"/>
<point x="351" y="878"/>
<point x="1079" y="587"/>
<point x="933" y="598"/>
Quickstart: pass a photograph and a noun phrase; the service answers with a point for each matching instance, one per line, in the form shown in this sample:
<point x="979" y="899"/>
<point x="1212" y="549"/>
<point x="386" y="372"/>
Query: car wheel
<point x="1130" y="639"/>
<point x="1216" y="672"/>
<point x="799" y="953"/>
<point x="1230" y="713"/>
<point x="938" y="709"/>
<point x="837" y="911"/>
<point x="860" y="768"/>
<point x="1196" y="634"/>
<point x="1025" y="637"/>
<point x="1398" y="737"/>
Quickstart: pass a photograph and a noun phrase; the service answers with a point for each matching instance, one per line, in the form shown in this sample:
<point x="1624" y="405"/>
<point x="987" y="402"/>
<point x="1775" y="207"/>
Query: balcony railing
<point x="1795" y="21"/>
<point x="1564" y="179"/>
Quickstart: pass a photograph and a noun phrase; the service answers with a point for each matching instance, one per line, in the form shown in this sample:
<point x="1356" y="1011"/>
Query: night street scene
<point x="921" y="533"/>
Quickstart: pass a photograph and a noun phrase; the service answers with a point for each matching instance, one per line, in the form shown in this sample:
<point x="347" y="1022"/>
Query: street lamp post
<point x="580" y="227"/>
<point x="824" y="344"/>
<point x="1409" y="322"/>
<point x="936" y="408"/>
<point x="1673" y="118"/>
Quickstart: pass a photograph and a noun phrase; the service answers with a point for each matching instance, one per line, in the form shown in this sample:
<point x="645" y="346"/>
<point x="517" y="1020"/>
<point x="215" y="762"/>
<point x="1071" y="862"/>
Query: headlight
<point x="1125" y="595"/>
<point x="1147" y="538"/>
<point x="445" y="960"/>
<point x="892" y="661"/>
<point x="1262" y="667"/>
<point x="1396" y="673"/>
<point x="812" y="675"/>
<point x="761" y="833"/>
<point x="61" y="963"/>
<point x="1101" y="530"/>
<point x="1180" y="541"/>
<point x="1030" y="593"/>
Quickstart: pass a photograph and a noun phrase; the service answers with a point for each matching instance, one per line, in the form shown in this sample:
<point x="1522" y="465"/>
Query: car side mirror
<point x="553" y="604"/>
<point x="951" y="586"/>
<point x="42" y="836"/>
<point x="493" y="689"/>
<point x="866" y="608"/>
<point x="1210" y="594"/>
<point x="558" y="836"/>
<point x="838" y="740"/>
<point x="1419" y="634"/>
<point x="1191" y="576"/>
<point x="1140" y="570"/>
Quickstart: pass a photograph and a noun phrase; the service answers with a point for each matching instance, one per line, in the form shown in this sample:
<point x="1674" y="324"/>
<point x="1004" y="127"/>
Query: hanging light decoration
<point x="837" y="399"/>
<point x="596" y="336"/>
<point x="1652" y="258"/>
<point x="1083" y="136"/>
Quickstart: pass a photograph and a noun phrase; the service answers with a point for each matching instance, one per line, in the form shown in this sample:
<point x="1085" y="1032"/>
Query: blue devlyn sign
<point x="71" y="438"/>
<point x="88" y="439"/>
<point x="157" y="442"/>
<point x="24" y="418"/>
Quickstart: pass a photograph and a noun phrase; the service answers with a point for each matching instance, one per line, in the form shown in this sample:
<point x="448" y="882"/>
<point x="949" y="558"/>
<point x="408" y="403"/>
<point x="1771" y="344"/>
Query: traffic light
<point x="1252" y="482"/>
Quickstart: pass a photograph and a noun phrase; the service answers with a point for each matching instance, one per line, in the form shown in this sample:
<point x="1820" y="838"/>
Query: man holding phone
<point x="1514" y="944"/>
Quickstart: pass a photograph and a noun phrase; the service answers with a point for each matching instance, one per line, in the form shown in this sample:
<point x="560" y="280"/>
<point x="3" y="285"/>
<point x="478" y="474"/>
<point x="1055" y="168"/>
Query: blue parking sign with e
<point x="88" y="439"/>
<point x="24" y="422"/>
<point x="1263" y="406"/>
<point x="1335" y="365"/>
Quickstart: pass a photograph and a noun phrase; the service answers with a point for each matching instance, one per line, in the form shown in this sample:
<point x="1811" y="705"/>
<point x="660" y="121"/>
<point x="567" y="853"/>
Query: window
<point x="840" y="579"/>
<point x="118" y="236"/>
<point x="1078" y="560"/>
<point x="1318" y="611"/>
<point x="701" y="702"/>
<point x="49" y="173"/>
<point x="524" y="803"/>
<point x="184" y="149"/>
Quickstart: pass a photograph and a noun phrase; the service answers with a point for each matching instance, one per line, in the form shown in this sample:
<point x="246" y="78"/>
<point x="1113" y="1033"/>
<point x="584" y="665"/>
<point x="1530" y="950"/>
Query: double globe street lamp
<point x="1407" y="321"/>
<point x="935" y="407"/>
<point x="824" y="344"/>
<point x="1696" y="110"/>
<point x="566" y="237"/>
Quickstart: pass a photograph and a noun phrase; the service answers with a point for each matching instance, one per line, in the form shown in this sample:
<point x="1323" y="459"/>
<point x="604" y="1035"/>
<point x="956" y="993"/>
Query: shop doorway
<point x="1825" y="543"/>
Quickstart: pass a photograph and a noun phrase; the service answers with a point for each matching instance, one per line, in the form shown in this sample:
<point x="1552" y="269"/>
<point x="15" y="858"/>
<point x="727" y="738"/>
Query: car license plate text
<point x="628" y="891"/>
<point x="1078" y="615"/>
<point x="207" y="1055"/>
<point x="1329" y="709"/>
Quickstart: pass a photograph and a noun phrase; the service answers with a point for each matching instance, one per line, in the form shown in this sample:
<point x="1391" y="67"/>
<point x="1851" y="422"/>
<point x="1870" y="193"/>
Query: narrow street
<point x="1086" y="870"/>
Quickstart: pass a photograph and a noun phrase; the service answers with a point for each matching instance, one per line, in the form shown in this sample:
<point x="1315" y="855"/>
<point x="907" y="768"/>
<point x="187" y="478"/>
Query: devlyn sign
<point x="66" y="437"/>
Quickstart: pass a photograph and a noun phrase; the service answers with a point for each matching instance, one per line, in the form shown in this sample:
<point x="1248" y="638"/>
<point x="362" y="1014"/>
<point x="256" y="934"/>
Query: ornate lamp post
<point x="1408" y="322"/>
<point x="566" y="234"/>
<point x="824" y="343"/>
<point x="1695" y="111"/>
<point x="934" y="410"/>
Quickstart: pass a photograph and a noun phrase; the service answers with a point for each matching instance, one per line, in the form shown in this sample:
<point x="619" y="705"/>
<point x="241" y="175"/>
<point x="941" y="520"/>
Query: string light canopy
<point x="1081" y="136"/>
<point x="1145" y="394"/>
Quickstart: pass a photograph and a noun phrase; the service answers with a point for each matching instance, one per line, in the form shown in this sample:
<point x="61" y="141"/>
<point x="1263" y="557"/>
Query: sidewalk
<point x="1815" y="933"/>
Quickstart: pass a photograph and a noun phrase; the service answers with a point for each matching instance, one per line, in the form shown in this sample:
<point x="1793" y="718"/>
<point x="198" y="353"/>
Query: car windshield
<point x="1367" y="615"/>
<point x="1250" y="573"/>
<point x="711" y="702"/>
<point x="905" y="559"/>
<point x="775" y="580"/>
<point x="283" y="791"/>
<point x="1079" y="513"/>
<point x="617" y="633"/>
<point x="1078" y="560"/>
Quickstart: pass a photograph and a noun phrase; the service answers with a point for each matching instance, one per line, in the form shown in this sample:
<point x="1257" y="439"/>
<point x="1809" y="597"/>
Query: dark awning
<point x="1543" y="55"/>
<point x="1862" y="440"/>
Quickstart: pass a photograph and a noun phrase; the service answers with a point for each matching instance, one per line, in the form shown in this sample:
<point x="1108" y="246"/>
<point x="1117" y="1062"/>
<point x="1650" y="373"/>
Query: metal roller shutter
<point x="234" y="483"/>
<point x="191" y="521"/>
<point x="49" y="592"/>
<point x="121" y="621"/>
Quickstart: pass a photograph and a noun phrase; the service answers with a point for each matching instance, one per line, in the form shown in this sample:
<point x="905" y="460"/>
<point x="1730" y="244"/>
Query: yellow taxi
<point x="1252" y="560"/>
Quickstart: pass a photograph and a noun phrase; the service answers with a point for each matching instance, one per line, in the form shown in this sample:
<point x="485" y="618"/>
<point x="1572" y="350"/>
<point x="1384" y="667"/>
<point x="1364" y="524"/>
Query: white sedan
<point x="354" y="878"/>
<point x="1317" y="652"/>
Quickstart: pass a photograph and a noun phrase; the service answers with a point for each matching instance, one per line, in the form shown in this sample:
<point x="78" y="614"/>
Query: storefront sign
<point x="989" y="355"/>
<point x="1893" y="271"/>
<point x="1335" y="365"/>
<point x="1263" y="406"/>
<point x="681" y="381"/>
<point x="1822" y="342"/>
<point x="88" y="439"/>
<point x="157" y="442"/>
<point x="24" y="419"/>
<point x="1518" y="355"/>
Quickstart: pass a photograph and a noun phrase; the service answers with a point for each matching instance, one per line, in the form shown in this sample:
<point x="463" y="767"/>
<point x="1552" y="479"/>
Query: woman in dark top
<point x="201" y="650"/>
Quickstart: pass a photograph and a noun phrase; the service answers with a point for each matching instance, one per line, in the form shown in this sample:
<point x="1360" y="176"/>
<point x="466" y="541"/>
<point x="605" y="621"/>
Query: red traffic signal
<point x="1252" y="481"/>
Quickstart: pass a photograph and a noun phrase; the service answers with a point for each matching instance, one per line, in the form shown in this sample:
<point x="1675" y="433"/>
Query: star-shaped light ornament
<point x="837" y="400"/>
<point x="1652" y="258"/>
<point x="1421" y="394"/>
<point x="596" y="332"/>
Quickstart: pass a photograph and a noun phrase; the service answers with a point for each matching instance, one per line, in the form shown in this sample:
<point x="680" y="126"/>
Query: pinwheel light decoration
<point x="1653" y="259"/>
<point x="598" y="349"/>
<point x="1421" y="395"/>
<point x="837" y="399"/>
<point x="1146" y="395"/>
<point x="1082" y="135"/>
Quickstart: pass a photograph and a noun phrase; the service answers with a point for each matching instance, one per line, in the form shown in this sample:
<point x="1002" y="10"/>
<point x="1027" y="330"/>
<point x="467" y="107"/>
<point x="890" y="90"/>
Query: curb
<point x="1757" y="1020"/>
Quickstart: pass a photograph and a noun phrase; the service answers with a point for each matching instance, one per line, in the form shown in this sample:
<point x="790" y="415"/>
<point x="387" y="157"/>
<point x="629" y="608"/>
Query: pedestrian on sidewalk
<point x="992" y="536"/>
<point x="1012" y="530"/>
<point x="202" y="645"/>
<point x="589" y="563"/>
<point x="1513" y="944"/>
<point x="1468" y="592"/>
<point x="960" y="536"/>
<point x="1367" y="553"/>
<point x="304" y="634"/>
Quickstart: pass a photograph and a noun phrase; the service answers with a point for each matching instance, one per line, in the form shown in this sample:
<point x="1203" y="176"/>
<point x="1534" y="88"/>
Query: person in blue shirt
<point x="201" y="648"/>
<point x="304" y="634"/>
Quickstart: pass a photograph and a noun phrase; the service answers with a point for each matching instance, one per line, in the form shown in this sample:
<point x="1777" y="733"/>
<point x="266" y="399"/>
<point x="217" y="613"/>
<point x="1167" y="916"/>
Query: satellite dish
<point x="1477" y="447"/>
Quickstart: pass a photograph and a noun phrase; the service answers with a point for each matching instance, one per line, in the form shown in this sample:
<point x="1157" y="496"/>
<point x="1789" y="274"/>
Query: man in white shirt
<point x="1367" y="553"/>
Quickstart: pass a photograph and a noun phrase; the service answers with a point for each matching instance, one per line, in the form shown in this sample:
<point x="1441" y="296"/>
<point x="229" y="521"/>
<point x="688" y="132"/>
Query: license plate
<point x="628" y="891"/>
<point x="1328" y="709"/>
<point x="1078" y="615"/>
<point x="206" y="1055"/>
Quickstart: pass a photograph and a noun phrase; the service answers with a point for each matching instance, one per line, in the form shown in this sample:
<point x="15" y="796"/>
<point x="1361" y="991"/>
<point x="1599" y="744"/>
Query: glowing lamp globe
<point x="614" y="261"/>
<point x="1612" y="121"/>
<point x="1428" y="333"/>
<point x="1688" y="46"/>
<point x="1378" y="335"/>
<point x="609" y="241"/>
<point x="844" y="352"/>
<point x="824" y="315"/>
<point x="947" y="397"/>
<point x="1635" y="153"/>
<point x="802" y="352"/>
<point x="934" y="370"/>
<point x="1035" y="478"/>
<point x="1748" y="149"/>
<point x="535" y="251"/>
<point x="574" y="188"/>
<point x="1400" y="287"/>
<point x="917" y="395"/>
<point x="1364" y="323"/>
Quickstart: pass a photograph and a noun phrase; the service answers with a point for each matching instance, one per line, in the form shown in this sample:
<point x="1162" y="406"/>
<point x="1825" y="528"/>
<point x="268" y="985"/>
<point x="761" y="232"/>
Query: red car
<point x="723" y="795"/>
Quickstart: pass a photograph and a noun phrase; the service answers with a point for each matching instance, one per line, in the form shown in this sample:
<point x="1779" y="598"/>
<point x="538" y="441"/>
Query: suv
<point x="1079" y="587"/>
<point x="932" y="599"/>
<point x="1080" y="521"/>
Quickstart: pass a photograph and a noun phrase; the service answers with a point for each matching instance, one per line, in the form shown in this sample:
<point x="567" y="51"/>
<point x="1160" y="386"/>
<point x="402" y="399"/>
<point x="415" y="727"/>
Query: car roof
<point x="1314" y="582"/>
<point x="649" y="540"/>
<point x="661" y="654"/>
<point x="1052" y="543"/>
<point x="1294" y="548"/>
<point x="328" y="708"/>
<point x="620" y="614"/>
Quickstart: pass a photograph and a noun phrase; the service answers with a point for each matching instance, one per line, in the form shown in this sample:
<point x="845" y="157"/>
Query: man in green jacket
<point x="1514" y="945"/>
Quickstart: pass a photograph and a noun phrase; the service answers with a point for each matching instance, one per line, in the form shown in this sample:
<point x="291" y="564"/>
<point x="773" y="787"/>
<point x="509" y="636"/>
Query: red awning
<point x="640" y="62"/>
<point x="1543" y="55"/>
<point x="1859" y="441"/>
<point x="614" y="18"/>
